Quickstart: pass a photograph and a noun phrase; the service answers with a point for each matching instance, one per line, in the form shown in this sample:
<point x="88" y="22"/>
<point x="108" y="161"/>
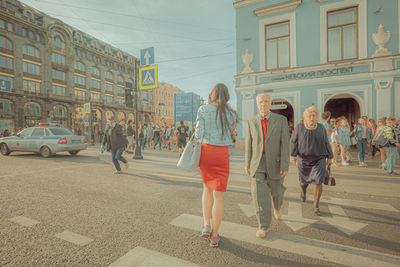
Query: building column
<point x="248" y="107"/>
<point x="383" y="97"/>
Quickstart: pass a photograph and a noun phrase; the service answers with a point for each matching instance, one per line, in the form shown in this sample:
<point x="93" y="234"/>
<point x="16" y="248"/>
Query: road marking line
<point x="299" y="245"/>
<point x="341" y="221"/>
<point x="294" y="219"/>
<point x="359" y="204"/>
<point x="24" y="221"/>
<point x="74" y="238"/>
<point x="249" y="209"/>
<point x="143" y="257"/>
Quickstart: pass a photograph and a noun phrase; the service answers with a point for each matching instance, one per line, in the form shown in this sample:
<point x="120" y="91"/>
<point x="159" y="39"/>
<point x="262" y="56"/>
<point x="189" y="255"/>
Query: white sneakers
<point x="363" y="164"/>
<point x="261" y="233"/>
<point x="344" y="163"/>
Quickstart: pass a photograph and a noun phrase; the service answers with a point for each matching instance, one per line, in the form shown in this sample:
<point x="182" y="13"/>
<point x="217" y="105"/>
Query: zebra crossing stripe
<point x="24" y="221"/>
<point x="74" y="238"/>
<point x="142" y="257"/>
<point x="322" y="250"/>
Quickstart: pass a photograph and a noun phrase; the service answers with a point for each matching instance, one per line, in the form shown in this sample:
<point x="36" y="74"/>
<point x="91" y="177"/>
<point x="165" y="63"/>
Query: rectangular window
<point x="277" y="38"/>
<point x="30" y="35"/>
<point x="58" y="90"/>
<point x="31" y="86"/>
<point x="109" y="99"/>
<point x="10" y="27"/>
<point x="120" y="90"/>
<point x="58" y="59"/>
<point x="2" y="24"/>
<point x="342" y="34"/>
<point x="59" y="75"/>
<point x="38" y="37"/>
<point x="80" y="94"/>
<point x="80" y="80"/>
<point x="6" y="62"/>
<point x="95" y="97"/>
<point x="23" y="32"/>
<point x="119" y="101"/>
<point x="109" y="87"/>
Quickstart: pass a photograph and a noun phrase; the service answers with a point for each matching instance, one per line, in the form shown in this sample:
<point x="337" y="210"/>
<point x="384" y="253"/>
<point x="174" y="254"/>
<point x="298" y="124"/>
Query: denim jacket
<point x="359" y="133"/>
<point x="208" y="126"/>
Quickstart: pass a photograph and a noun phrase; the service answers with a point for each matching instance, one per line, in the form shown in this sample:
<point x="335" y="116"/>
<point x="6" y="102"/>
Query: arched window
<point x="95" y="71"/>
<point x="32" y="51"/>
<point x="80" y="66"/>
<point x="59" y="111"/>
<point x="5" y="43"/>
<point x="32" y="109"/>
<point x="58" y="40"/>
<point x="120" y="80"/>
<point x="109" y="75"/>
<point x="6" y="106"/>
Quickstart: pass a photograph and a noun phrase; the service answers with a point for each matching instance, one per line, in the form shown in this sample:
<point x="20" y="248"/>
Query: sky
<point x="193" y="40"/>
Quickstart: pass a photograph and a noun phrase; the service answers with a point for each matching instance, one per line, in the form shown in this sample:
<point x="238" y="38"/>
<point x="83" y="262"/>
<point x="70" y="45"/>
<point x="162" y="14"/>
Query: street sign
<point x="5" y="85"/>
<point x="86" y="107"/>
<point x="147" y="56"/>
<point x="148" y="77"/>
<point x="278" y="106"/>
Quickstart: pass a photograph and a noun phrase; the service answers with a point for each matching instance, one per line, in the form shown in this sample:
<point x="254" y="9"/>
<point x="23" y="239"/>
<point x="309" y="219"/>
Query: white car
<point x="45" y="140"/>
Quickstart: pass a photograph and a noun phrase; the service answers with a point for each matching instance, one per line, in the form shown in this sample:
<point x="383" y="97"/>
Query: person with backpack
<point x="378" y="133"/>
<point x="182" y="134"/>
<point x="390" y="134"/>
<point x="363" y="136"/>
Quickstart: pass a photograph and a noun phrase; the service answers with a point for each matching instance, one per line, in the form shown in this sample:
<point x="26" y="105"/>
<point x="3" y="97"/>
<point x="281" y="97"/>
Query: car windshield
<point x="60" y="131"/>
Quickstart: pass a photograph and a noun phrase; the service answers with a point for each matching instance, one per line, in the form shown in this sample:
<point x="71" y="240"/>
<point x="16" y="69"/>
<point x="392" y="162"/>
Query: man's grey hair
<point x="259" y="97"/>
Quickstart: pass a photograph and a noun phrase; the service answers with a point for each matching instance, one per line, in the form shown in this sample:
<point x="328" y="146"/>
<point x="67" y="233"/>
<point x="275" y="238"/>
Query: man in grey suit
<point x="267" y="161"/>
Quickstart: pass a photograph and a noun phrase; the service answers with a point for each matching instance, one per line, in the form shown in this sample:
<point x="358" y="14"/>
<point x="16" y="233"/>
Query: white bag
<point x="190" y="158"/>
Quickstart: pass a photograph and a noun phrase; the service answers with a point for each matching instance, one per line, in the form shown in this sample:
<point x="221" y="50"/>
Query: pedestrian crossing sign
<point x="86" y="107"/>
<point x="148" y="77"/>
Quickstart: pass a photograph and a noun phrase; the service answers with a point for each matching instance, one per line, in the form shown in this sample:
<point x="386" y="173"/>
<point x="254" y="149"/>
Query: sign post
<point x="138" y="152"/>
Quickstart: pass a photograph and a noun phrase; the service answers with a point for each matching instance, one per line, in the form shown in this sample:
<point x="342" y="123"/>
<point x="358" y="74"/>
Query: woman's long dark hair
<point x="220" y="96"/>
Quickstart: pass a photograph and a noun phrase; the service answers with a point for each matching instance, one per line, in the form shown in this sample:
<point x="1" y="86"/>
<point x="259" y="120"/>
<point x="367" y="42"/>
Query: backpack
<point x="380" y="140"/>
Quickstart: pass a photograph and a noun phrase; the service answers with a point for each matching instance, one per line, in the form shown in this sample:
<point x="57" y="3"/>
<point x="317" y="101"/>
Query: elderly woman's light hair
<point x="310" y="110"/>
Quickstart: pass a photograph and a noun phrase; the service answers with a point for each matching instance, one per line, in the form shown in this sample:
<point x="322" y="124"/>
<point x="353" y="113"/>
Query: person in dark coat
<point x="310" y="149"/>
<point x="115" y="140"/>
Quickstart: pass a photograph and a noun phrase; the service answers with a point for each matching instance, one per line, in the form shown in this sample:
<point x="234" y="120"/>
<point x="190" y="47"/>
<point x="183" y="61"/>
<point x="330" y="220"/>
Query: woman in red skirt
<point x="216" y="124"/>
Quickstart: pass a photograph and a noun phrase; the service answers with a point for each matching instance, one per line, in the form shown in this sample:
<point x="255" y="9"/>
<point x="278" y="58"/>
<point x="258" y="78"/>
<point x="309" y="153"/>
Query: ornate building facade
<point x="48" y="70"/>
<point x="164" y="103"/>
<point x="341" y="56"/>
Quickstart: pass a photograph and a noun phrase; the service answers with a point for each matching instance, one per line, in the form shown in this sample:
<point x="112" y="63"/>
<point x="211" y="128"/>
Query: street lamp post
<point x="138" y="152"/>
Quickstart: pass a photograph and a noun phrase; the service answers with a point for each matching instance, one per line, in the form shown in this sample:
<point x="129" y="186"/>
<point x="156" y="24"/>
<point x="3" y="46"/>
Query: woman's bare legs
<point x="206" y="202"/>
<point x="217" y="212"/>
<point x="317" y="195"/>
<point x="343" y="153"/>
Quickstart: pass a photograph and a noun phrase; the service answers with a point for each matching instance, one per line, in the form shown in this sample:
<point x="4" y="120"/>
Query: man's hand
<point x="293" y="160"/>
<point x="247" y="170"/>
<point x="329" y="162"/>
<point x="284" y="173"/>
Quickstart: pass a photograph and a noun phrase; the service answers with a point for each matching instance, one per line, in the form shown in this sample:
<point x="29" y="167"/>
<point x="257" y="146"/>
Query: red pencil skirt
<point x="214" y="166"/>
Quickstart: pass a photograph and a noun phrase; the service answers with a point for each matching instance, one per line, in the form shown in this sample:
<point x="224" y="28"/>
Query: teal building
<point x="341" y="56"/>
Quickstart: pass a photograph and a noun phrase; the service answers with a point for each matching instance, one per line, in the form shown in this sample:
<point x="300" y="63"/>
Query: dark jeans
<point x="116" y="155"/>
<point x="157" y="140"/>
<point x="374" y="149"/>
<point x="142" y="143"/>
<point x="361" y="146"/>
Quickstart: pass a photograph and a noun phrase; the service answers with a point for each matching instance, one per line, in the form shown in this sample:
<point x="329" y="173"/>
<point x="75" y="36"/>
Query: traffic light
<point x="128" y="98"/>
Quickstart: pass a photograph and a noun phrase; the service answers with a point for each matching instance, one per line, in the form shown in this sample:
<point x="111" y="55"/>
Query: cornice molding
<point x="285" y="6"/>
<point x="243" y="3"/>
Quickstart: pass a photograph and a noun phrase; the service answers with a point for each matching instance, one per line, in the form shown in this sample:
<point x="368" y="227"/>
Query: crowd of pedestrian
<point x="367" y="137"/>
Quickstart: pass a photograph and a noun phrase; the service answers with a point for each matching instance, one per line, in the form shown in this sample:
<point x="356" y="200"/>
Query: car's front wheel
<point x="74" y="152"/>
<point x="45" y="152"/>
<point x="5" y="150"/>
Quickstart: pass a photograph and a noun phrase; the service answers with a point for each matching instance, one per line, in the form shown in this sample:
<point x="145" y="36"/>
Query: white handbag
<point x="190" y="158"/>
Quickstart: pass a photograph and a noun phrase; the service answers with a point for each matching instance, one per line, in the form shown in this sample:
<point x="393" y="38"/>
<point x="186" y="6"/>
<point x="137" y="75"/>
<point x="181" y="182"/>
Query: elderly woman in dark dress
<point x="310" y="148"/>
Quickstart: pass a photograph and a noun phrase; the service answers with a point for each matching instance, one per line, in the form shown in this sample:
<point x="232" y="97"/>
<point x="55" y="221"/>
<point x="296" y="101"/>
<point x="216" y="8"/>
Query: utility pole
<point x="138" y="152"/>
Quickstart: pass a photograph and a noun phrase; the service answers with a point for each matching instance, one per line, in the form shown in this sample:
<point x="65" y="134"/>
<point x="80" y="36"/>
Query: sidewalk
<point x="365" y="182"/>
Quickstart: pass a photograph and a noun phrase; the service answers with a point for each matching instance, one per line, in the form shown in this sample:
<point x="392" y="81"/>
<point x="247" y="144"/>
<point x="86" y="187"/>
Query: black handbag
<point x="329" y="180"/>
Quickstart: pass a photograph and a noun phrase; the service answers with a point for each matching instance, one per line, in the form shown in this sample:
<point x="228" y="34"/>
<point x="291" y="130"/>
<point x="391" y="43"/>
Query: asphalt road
<point x="73" y="211"/>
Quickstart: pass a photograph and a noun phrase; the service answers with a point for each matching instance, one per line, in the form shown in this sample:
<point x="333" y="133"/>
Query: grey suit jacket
<point x="276" y="145"/>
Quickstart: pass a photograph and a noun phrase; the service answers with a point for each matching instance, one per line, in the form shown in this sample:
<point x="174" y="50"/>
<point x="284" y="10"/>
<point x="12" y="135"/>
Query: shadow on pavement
<point x="370" y="240"/>
<point x="252" y="256"/>
<point x="59" y="157"/>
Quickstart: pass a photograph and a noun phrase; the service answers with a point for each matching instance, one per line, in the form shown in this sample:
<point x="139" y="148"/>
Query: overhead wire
<point x="133" y="16"/>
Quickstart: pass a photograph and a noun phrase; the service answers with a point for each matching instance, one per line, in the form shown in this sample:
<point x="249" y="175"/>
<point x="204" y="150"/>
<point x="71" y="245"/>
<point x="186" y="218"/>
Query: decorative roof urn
<point x="247" y="58"/>
<point x="380" y="38"/>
